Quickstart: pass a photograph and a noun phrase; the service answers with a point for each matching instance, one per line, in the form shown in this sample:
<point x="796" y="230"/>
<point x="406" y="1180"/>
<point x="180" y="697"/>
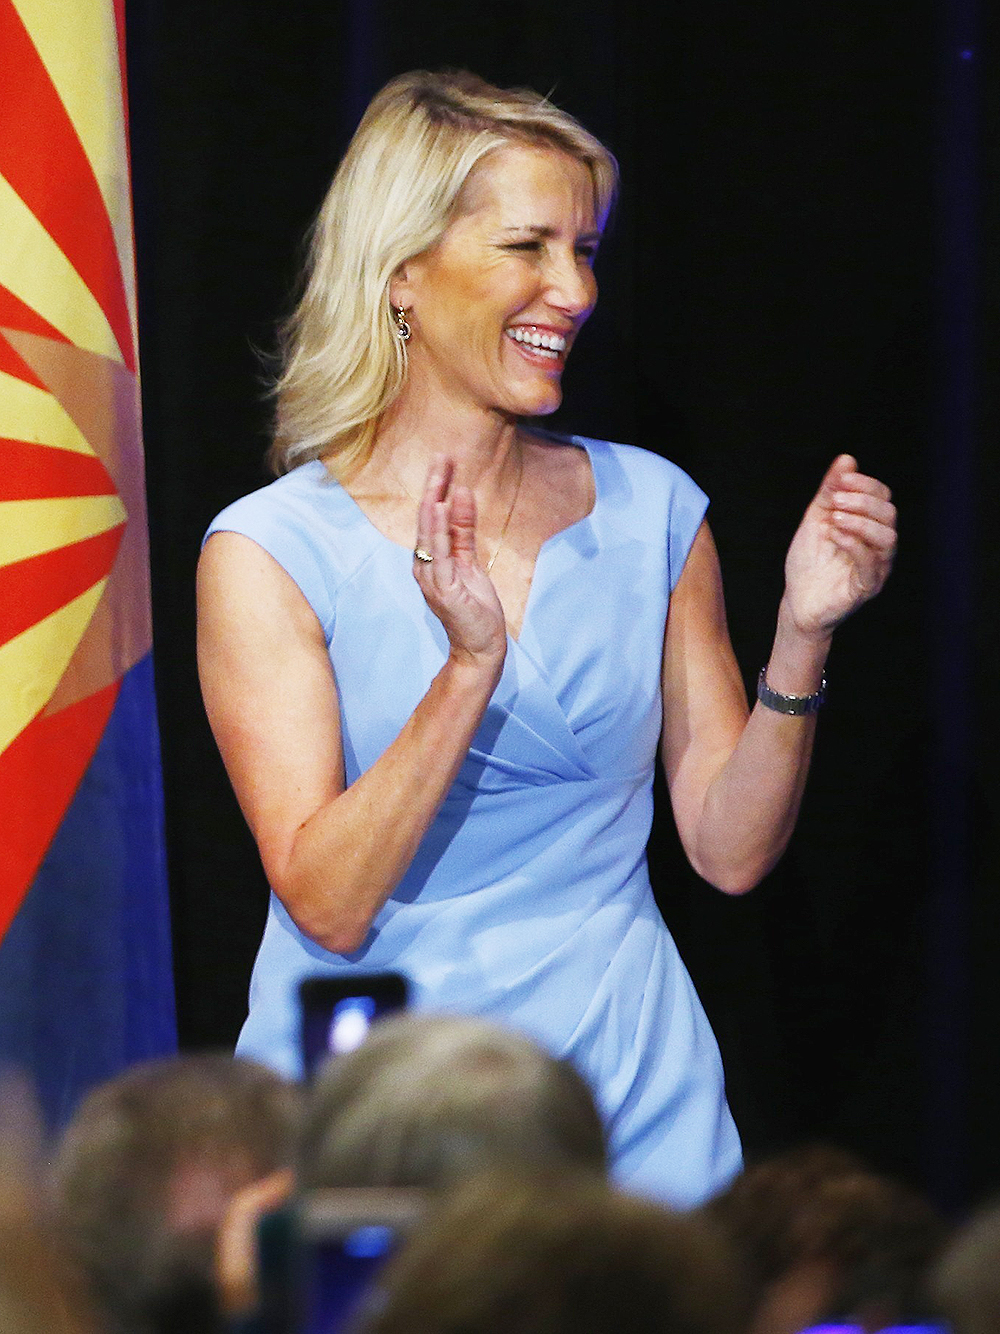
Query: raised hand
<point x="842" y="552"/>
<point x="458" y="590"/>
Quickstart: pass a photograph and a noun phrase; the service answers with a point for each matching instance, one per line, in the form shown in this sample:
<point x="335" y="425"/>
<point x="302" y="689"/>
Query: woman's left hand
<point x="843" y="550"/>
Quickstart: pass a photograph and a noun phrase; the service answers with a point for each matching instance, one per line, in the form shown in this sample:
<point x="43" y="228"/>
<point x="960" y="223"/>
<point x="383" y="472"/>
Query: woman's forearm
<point x="751" y="805"/>
<point x="347" y="858"/>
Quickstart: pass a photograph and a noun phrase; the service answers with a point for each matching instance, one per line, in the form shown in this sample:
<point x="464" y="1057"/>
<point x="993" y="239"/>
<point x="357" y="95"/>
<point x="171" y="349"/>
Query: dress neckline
<point x="574" y="441"/>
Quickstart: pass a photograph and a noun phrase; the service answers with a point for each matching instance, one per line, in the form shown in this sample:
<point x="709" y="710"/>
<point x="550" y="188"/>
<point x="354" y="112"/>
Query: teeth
<point x="552" y="344"/>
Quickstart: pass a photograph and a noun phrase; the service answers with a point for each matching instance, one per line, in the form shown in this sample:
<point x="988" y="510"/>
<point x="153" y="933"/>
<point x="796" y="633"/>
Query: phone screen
<point x="339" y="1273"/>
<point x="337" y="1012"/>
<point x="345" y="1237"/>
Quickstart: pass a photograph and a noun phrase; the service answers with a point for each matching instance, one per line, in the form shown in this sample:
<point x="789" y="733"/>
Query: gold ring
<point x="422" y="555"/>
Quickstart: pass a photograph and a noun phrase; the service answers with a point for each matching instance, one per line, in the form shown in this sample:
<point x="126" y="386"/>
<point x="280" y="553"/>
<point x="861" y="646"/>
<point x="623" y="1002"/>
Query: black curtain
<point x="771" y="296"/>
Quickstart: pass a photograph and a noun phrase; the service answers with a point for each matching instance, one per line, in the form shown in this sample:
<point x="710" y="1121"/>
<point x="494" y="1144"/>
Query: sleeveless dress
<point x="528" y="901"/>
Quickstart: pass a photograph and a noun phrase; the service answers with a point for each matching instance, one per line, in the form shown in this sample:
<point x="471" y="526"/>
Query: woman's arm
<point x="736" y="781"/>
<point x="334" y="853"/>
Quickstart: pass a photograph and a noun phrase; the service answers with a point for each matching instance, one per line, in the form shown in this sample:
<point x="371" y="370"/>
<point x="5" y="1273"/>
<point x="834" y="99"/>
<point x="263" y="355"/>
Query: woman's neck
<point x="482" y="445"/>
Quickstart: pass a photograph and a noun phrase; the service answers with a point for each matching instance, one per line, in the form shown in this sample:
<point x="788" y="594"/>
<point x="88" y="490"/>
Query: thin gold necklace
<point x="513" y="502"/>
<point x="510" y="512"/>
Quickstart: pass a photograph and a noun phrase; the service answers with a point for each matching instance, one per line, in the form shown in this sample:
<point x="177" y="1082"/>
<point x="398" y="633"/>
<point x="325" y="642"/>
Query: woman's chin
<point x="542" y="403"/>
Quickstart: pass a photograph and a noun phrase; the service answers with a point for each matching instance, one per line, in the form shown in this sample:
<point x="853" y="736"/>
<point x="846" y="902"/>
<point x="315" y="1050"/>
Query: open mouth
<point x="537" y="344"/>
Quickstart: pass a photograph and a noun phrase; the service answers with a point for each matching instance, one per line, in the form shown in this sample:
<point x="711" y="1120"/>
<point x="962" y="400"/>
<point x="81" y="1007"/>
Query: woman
<point x="441" y="715"/>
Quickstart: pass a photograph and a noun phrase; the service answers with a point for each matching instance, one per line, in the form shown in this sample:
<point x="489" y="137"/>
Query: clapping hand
<point x="842" y="552"/>
<point x="457" y="589"/>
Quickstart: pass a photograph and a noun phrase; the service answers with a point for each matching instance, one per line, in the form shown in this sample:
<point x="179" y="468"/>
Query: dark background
<point x="792" y="273"/>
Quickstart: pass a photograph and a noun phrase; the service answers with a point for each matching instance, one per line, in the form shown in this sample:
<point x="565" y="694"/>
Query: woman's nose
<point x="571" y="286"/>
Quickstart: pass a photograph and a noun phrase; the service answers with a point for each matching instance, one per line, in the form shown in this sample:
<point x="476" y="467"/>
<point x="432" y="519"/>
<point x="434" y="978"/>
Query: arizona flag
<point x="85" y="978"/>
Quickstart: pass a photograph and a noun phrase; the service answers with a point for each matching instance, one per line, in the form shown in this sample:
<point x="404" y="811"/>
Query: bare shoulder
<point x="255" y="628"/>
<point x="237" y="577"/>
<point x="699" y="588"/>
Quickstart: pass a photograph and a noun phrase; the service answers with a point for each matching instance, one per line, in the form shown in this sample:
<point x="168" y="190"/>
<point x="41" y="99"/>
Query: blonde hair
<point x="392" y="198"/>
<point x="429" y="1098"/>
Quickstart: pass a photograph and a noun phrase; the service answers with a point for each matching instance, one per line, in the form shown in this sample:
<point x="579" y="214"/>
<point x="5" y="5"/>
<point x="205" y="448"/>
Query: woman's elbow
<point x="735" y="885"/>
<point x="339" y="938"/>
<point x="733" y="878"/>
<point x="334" y="936"/>
<point x="332" y="927"/>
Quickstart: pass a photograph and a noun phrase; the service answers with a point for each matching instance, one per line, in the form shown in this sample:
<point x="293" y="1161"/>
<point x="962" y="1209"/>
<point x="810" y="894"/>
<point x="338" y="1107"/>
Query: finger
<point x="879" y="536"/>
<point x="439" y="474"/>
<point x="440" y="536"/>
<point x="235" y="1252"/>
<point x="859" y="482"/>
<point x="463" y="525"/>
<point x="432" y="538"/>
<point x="435" y="489"/>
<point x="841" y="465"/>
<point x="873" y="505"/>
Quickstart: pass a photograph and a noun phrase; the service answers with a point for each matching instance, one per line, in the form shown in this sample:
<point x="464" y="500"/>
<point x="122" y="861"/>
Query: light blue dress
<point x="528" y="900"/>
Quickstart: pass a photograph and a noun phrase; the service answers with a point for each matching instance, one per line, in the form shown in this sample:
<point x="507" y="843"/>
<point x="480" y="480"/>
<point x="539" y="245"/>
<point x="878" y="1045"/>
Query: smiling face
<point x="495" y="305"/>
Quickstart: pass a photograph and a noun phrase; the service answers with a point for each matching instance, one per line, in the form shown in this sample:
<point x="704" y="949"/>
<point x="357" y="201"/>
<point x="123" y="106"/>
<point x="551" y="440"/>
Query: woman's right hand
<point x="456" y="587"/>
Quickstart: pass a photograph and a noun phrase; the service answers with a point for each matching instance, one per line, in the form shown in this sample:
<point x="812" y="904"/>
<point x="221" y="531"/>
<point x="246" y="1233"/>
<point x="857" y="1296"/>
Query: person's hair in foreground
<point x="965" y="1283"/>
<point x="39" y="1292"/>
<point x="561" y="1254"/>
<point x="429" y="1098"/>
<point x="145" y="1171"/>
<point x="392" y="197"/>
<point x="823" y="1238"/>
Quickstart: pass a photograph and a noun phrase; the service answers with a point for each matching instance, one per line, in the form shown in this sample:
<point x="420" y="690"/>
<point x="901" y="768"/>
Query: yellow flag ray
<point x="31" y="527"/>
<point x="33" y="414"/>
<point x="33" y="662"/>
<point x="78" y="61"/>
<point x="37" y="271"/>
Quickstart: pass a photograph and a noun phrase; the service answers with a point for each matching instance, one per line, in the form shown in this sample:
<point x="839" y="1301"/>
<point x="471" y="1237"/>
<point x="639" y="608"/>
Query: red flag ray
<point x="17" y="314"/>
<point x="34" y="588"/>
<point x="39" y="771"/>
<point x="41" y="472"/>
<point x="46" y="165"/>
<point x="11" y="363"/>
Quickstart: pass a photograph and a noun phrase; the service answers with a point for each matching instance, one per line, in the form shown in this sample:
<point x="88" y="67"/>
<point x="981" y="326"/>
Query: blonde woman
<point x="436" y="652"/>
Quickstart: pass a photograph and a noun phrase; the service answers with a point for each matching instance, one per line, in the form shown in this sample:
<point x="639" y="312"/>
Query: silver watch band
<point x="795" y="706"/>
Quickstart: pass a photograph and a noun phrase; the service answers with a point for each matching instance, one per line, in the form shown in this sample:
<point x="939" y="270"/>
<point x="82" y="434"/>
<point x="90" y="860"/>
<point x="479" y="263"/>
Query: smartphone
<point x="319" y="1256"/>
<point x="342" y="1240"/>
<point x="337" y="1011"/>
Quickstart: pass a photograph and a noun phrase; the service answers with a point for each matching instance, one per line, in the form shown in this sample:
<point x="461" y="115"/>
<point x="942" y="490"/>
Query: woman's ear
<point x="400" y="286"/>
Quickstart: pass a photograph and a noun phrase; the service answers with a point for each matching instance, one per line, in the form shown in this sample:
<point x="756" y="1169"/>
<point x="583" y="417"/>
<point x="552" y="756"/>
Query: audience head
<point x="145" y="1172"/>
<point x="39" y="1293"/>
<point x="429" y="1098"/>
<point x="823" y="1238"/>
<point x="561" y="1253"/>
<point x="965" y="1283"/>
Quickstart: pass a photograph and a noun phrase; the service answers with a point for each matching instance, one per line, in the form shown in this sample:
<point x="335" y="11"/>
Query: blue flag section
<point x="85" y="967"/>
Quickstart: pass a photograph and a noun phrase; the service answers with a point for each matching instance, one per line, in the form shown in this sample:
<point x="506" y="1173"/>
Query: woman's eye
<point x="587" y="251"/>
